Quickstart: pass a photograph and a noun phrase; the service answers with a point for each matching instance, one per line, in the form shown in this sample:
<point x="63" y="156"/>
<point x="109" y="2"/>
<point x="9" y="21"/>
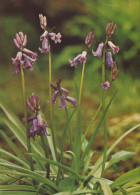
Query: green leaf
<point x="127" y="177"/>
<point x="31" y="174"/>
<point x="67" y="184"/>
<point x="122" y="155"/>
<point x="12" y="145"/>
<point x="58" y="165"/>
<point x="19" y="193"/>
<point x="16" y="187"/>
<point x="15" y="158"/>
<point x="96" y="130"/>
<point x="106" y="188"/>
<point x="99" y="161"/>
<point x="11" y="116"/>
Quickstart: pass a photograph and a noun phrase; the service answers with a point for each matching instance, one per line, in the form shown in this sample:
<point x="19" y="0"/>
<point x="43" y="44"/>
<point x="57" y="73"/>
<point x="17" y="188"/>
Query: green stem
<point x="70" y="134"/>
<point x="103" y="104"/>
<point x="78" y="132"/>
<point x="91" y="122"/>
<point x="50" y="100"/>
<point x="46" y="155"/>
<point x="26" y="120"/>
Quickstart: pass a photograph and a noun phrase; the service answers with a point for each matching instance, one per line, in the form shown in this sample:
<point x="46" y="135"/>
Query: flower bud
<point x="114" y="73"/>
<point x="89" y="39"/>
<point x="34" y="103"/>
<point x="110" y="29"/>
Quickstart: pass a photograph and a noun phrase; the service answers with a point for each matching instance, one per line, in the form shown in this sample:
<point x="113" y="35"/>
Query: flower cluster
<point x="47" y="35"/>
<point x="82" y="57"/>
<point x="110" y="63"/>
<point x="24" y="57"/>
<point x="79" y="58"/>
<point x="38" y="126"/>
<point x="63" y="98"/>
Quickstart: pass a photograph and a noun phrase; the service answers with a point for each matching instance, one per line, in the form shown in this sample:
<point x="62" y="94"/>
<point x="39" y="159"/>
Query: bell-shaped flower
<point x="89" y="39"/>
<point x="79" y="58"/>
<point x="109" y="60"/>
<point x="60" y="91"/>
<point x="83" y="57"/>
<point x="17" y="61"/>
<point x="55" y="37"/>
<point x="115" y="49"/>
<point x="63" y="102"/>
<point x="45" y="46"/>
<point x="21" y="58"/>
<point x="99" y="51"/>
<point x="71" y="100"/>
<point x="38" y="127"/>
<point x="44" y="35"/>
<point x="28" y="52"/>
<point x="105" y="85"/>
<point x="43" y="21"/>
<point x="34" y="103"/>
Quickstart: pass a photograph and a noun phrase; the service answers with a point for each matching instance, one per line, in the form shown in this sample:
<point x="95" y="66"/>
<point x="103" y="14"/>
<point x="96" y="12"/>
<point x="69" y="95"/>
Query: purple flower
<point x="63" y="102"/>
<point x="44" y="35"/>
<point x="115" y="49"/>
<point x="71" y="100"/>
<point x="28" y="52"/>
<point x="21" y="58"/>
<point x="38" y="127"/>
<point x="43" y="21"/>
<point x="20" y="40"/>
<point x="45" y="46"/>
<point x="79" y="58"/>
<point x="55" y="37"/>
<point x="75" y="61"/>
<point x="17" y="61"/>
<point x="109" y="60"/>
<point x="60" y="91"/>
<point x="83" y="57"/>
<point x="30" y="118"/>
<point x="99" y="51"/>
<point x="89" y="39"/>
<point x="110" y="29"/>
<point x="34" y="103"/>
<point x="105" y="85"/>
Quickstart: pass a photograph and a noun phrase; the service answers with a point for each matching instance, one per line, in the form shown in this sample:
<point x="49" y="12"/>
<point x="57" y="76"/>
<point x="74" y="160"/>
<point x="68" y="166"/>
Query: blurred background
<point x="74" y="19"/>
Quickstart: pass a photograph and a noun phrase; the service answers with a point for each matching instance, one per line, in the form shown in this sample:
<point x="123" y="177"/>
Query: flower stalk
<point x="103" y="105"/>
<point x="50" y="108"/>
<point x="46" y="155"/>
<point x="26" y="120"/>
<point x="78" y="140"/>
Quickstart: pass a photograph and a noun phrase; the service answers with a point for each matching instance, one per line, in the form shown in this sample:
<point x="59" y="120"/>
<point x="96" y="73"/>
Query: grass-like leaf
<point x="12" y="145"/>
<point x="121" y="155"/>
<point x="15" y="158"/>
<point x="99" y="161"/>
<point x="106" y="188"/>
<point x="58" y="165"/>
<point x="96" y="130"/>
<point x="31" y="174"/>
<point x="127" y="177"/>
